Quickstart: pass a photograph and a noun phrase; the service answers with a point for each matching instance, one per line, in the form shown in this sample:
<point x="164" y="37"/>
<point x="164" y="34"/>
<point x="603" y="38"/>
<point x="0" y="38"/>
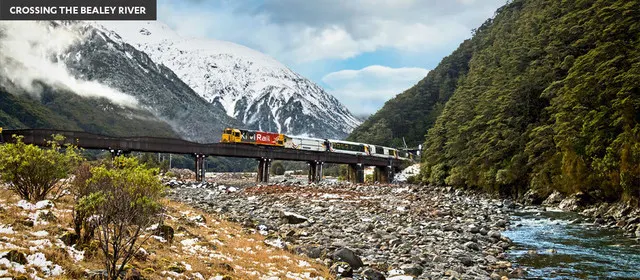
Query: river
<point x="560" y="245"/>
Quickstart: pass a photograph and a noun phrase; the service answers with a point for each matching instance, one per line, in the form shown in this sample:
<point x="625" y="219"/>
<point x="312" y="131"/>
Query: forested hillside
<point x="413" y="112"/>
<point x="59" y="109"/>
<point x="551" y="100"/>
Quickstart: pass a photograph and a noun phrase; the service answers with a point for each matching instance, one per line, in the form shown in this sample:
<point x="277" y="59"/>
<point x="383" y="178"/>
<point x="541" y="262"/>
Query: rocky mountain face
<point x="253" y="88"/>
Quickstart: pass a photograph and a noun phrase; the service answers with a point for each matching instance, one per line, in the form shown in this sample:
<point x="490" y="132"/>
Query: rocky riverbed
<point x="370" y="231"/>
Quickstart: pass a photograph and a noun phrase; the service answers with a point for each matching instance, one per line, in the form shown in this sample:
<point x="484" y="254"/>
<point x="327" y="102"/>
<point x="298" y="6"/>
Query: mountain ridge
<point x="252" y="87"/>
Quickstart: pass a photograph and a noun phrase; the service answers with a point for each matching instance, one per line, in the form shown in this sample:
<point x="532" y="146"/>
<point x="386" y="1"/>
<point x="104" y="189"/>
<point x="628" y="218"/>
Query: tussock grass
<point x="214" y="248"/>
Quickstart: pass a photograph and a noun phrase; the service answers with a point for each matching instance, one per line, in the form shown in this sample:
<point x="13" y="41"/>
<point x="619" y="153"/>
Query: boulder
<point x="501" y="223"/>
<point x="507" y="203"/>
<point x="574" y="201"/>
<point x="27" y="222"/>
<point x="494" y="234"/>
<point x="133" y="274"/>
<point x="165" y="232"/>
<point x="533" y="197"/>
<point x="401" y="277"/>
<point x="141" y="255"/>
<point x="177" y="268"/>
<point x="474" y="229"/>
<point x="310" y="251"/>
<point x="293" y="218"/>
<point x="69" y="238"/>
<point x="371" y="274"/>
<point x="341" y="269"/>
<point x="16" y="256"/>
<point x="555" y="198"/>
<point x="349" y="257"/>
<point x="98" y="274"/>
<point x="198" y="219"/>
<point x="46" y="215"/>
<point x="412" y="269"/>
<point x="472" y="245"/>
<point x="466" y="261"/>
<point x="224" y="266"/>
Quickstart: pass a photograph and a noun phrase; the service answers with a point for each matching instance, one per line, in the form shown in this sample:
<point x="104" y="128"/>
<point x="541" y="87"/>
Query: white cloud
<point x="31" y="53"/>
<point x="364" y="91"/>
<point x="296" y="31"/>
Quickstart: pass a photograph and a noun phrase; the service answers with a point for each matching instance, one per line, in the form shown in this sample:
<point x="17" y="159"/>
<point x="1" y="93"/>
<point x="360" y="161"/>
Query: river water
<point x="558" y="245"/>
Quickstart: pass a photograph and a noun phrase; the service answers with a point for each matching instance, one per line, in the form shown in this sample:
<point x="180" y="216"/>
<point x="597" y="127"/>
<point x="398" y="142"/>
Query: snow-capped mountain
<point x="252" y="87"/>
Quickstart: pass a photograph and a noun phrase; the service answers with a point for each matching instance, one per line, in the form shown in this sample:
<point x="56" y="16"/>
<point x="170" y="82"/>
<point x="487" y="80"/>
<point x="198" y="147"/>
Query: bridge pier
<point x="315" y="171"/>
<point x="383" y="174"/>
<point x="264" y="164"/>
<point x="115" y="153"/>
<point x="355" y="173"/>
<point x="200" y="170"/>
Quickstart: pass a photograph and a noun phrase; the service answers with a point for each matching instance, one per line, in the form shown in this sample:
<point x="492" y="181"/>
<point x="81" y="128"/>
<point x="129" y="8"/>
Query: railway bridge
<point x="385" y="168"/>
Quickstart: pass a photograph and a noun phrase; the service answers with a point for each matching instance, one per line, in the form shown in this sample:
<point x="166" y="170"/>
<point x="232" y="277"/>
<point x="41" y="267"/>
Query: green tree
<point x="124" y="199"/>
<point x="33" y="172"/>
<point x="153" y="160"/>
<point x="550" y="101"/>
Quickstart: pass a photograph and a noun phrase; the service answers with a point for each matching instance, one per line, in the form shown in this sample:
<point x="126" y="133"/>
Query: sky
<point x="364" y="52"/>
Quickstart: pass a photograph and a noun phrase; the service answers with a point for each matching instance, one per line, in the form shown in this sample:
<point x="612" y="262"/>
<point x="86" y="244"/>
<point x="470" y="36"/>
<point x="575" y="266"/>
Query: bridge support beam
<point x="115" y="153"/>
<point x="315" y="171"/>
<point x="383" y="174"/>
<point x="264" y="166"/>
<point x="355" y="173"/>
<point x="200" y="170"/>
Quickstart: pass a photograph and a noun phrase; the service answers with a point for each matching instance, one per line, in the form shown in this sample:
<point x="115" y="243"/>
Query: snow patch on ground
<point x="407" y="172"/>
<point x="41" y="233"/>
<point x="5" y="229"/>
<point x="40" y="261"/>
<point x="278" y="243"/>
<point x="302" y="263"/>
<point x="39" y="244"/>
<point x="159" y="238"/>
<point x="39" y="205"/>
<point x="71" y="250"/>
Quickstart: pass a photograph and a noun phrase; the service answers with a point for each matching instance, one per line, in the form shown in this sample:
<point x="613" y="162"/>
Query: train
<point x="243" y="136"/>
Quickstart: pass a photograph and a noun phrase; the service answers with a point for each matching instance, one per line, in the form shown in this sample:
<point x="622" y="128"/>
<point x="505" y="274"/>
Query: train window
<point x="237" y="134"/>
<point x="227" y="131"/>
<point x="348" y="147"/>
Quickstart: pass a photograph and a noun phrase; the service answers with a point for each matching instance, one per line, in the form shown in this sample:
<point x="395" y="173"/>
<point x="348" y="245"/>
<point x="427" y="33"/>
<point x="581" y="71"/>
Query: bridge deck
<point x="177" y="146"/>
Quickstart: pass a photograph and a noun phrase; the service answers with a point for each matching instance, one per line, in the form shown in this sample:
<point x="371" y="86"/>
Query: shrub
<point x="84" y="227"/>
<point x="369" y="178"/>
<point x="32" y="172"/>
<point x="413" y="179"/>
<point x="123" y="198"/>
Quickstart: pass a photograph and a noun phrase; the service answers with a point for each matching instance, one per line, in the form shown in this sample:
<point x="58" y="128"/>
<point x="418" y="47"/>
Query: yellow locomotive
<point x="234" y="135"/>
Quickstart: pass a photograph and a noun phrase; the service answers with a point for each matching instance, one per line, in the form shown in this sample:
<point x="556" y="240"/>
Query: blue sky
<point x="364" y="52"/>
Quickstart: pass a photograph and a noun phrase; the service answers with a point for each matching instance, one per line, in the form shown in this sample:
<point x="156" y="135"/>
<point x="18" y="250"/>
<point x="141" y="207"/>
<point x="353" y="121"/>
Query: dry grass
<point x="213" y="248"/>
